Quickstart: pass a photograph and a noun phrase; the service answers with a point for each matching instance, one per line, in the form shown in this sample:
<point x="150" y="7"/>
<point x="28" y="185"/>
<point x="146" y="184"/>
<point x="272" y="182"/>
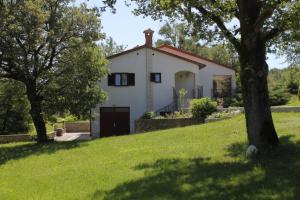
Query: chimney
<point x="148" y="36"/>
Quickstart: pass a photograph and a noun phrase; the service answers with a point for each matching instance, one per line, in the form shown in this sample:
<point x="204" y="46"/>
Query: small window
<point x="121" y="79"/>
<point x="155" y="77"/>
<point x="118" y="79"/>
<point x="124" y="79"/>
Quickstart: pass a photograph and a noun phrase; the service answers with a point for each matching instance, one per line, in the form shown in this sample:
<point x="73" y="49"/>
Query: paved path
<point x="73" y="136"/>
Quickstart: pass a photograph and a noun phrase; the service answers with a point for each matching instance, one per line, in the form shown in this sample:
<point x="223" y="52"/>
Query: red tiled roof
<point x="175" y="52"/>
<point x="188" y="55"/>
<point x="201" y="65"/>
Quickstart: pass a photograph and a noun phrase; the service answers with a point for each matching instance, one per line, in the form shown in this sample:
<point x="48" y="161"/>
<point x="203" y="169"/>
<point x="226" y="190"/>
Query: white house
<point x="146" y="78"/>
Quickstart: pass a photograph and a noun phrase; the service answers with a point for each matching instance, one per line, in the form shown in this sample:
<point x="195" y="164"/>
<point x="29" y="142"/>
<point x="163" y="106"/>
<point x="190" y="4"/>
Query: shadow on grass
<point x="18" y="151"/>
<point x="274" y="175"/>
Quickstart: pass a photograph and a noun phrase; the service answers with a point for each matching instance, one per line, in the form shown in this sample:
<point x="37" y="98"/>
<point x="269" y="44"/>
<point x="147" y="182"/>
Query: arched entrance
<point x="186" y="80"/>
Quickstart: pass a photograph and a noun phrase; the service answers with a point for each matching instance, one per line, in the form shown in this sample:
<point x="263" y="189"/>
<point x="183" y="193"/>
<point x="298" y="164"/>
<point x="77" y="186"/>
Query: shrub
<point x="71" y="118"/>
<point x="235" y="101"/>
<point x="182" y="93"/>
<point x="52" y="119"/>
<point x="148" y="115"/>
<point x="159" y="117"/>
<point x="278" y="96"/>
<point x="178" y="115"/>
<point x="292" y="87"/>
<point x="201" y="108"/>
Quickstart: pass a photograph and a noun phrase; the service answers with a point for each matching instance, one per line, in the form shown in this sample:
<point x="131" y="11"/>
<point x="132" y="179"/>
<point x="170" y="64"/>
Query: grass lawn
<point x="196" y="162"/>
<point x="294" y="101"/>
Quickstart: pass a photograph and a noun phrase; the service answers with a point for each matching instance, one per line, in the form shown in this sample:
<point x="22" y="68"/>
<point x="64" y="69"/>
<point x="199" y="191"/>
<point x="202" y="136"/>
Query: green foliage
<point x="235" y="101"/>
<point x="51" y="46"/>
<point x="299" y="93"/>
<point x="110" y="47"/>
<point x="201" y="108"/>
<point x="14" y="108"/>
<point x="70" y="118"/>
<point x="179" y="35"/>
<point x="148" y="115"/>
<point x="294" y="101"/>
<point x="78" y="89"/>
<point x="182" y="92"/>
<point x="178" y="115"/>
<point x="278" y="96"/>
<point x="289" y="77"/>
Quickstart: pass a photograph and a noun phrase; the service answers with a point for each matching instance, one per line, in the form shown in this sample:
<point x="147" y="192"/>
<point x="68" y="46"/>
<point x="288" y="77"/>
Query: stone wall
<point x="145" y="125"/>
<point x="285" y="108"/>
<point x="77" y="127"/>
<point x="15" y="138"/>
<point x="273" y="109"/>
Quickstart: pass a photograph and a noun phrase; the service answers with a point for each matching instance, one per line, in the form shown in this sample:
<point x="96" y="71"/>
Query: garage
<point x="114" y="121"/>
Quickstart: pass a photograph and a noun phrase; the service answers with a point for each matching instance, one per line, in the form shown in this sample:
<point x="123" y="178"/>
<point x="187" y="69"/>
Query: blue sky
<point x="127" y="29"/>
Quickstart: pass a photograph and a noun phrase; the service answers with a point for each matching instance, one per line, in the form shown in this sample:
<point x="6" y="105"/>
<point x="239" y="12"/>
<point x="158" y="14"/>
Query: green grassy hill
<point x="197" y="162"/>
<point x="294" y="101"/>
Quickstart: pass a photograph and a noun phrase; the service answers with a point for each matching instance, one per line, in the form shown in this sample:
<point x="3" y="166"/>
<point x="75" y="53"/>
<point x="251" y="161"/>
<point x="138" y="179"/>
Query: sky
<point x="127" y="29"/>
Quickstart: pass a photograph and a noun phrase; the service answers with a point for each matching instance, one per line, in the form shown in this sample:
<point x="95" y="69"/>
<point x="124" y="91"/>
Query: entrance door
<point x="114" y="121"/>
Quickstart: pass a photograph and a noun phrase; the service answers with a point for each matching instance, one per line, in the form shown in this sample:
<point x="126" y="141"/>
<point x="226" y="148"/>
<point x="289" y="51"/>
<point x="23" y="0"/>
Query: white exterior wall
<point x="168" y="66"/>
<point x="206" y="76"/>
<point x="186" y="80"/>
<point x="161" y="94"/>
<point x="125" y="96"/>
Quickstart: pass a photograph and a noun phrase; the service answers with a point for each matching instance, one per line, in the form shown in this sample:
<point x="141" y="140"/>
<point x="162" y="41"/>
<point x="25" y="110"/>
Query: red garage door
<point x="114" y="121"/>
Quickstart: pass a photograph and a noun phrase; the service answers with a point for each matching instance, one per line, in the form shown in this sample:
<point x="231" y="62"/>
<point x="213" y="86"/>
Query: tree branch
<point x="219" y="22"/>
<point x="272" y="33"/>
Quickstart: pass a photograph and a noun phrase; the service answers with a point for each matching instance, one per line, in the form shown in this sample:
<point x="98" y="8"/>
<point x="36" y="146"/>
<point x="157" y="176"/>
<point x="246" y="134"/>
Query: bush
<point x="235" y="101"/>
<point x="293" y="87"/>
<point x="182" y="93"/>
<point x="71" y="118"/>
<point x="52" y="119"/>
<point x="178" y="115"/>
<point x="201" y="108"/>
<point x="148" y="115"/>
<point x="278" y="96"/>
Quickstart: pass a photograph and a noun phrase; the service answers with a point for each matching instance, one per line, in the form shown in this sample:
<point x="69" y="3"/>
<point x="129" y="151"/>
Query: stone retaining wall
<point x="285" y="108"/>
<point x="273" y="109"/>
<point x="15" y="138"/>
<point x="145" y="125"/>
<point x="77" y="127"/>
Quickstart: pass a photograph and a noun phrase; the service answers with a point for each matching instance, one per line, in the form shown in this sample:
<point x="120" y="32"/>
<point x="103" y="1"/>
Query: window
<point x="121" y="79"/>
<point x="155" y="77"/>
<point x="124" y="79"/>
<point x="118" y="79"/>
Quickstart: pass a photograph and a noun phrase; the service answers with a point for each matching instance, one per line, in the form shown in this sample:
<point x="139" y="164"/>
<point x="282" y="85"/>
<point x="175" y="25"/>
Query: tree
<point x="179" y="35"/>
<point x="288" y="78"/>
<point x="14" y="108"/>
<point x="50" y="46"/>
<point x="110" y="47"/>
<point x="290" y="45"/>
<point x="251" y="27"/>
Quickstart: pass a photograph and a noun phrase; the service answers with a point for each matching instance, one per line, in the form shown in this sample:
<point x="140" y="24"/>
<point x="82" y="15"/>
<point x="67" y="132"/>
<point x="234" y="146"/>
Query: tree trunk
<point x="36" y="113"/>
<point x="254" y="72"/>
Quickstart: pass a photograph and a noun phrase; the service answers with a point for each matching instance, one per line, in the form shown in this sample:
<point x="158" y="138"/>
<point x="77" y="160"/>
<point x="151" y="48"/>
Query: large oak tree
<point x="50" y="46"/>
<point x="252" y="26"/>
